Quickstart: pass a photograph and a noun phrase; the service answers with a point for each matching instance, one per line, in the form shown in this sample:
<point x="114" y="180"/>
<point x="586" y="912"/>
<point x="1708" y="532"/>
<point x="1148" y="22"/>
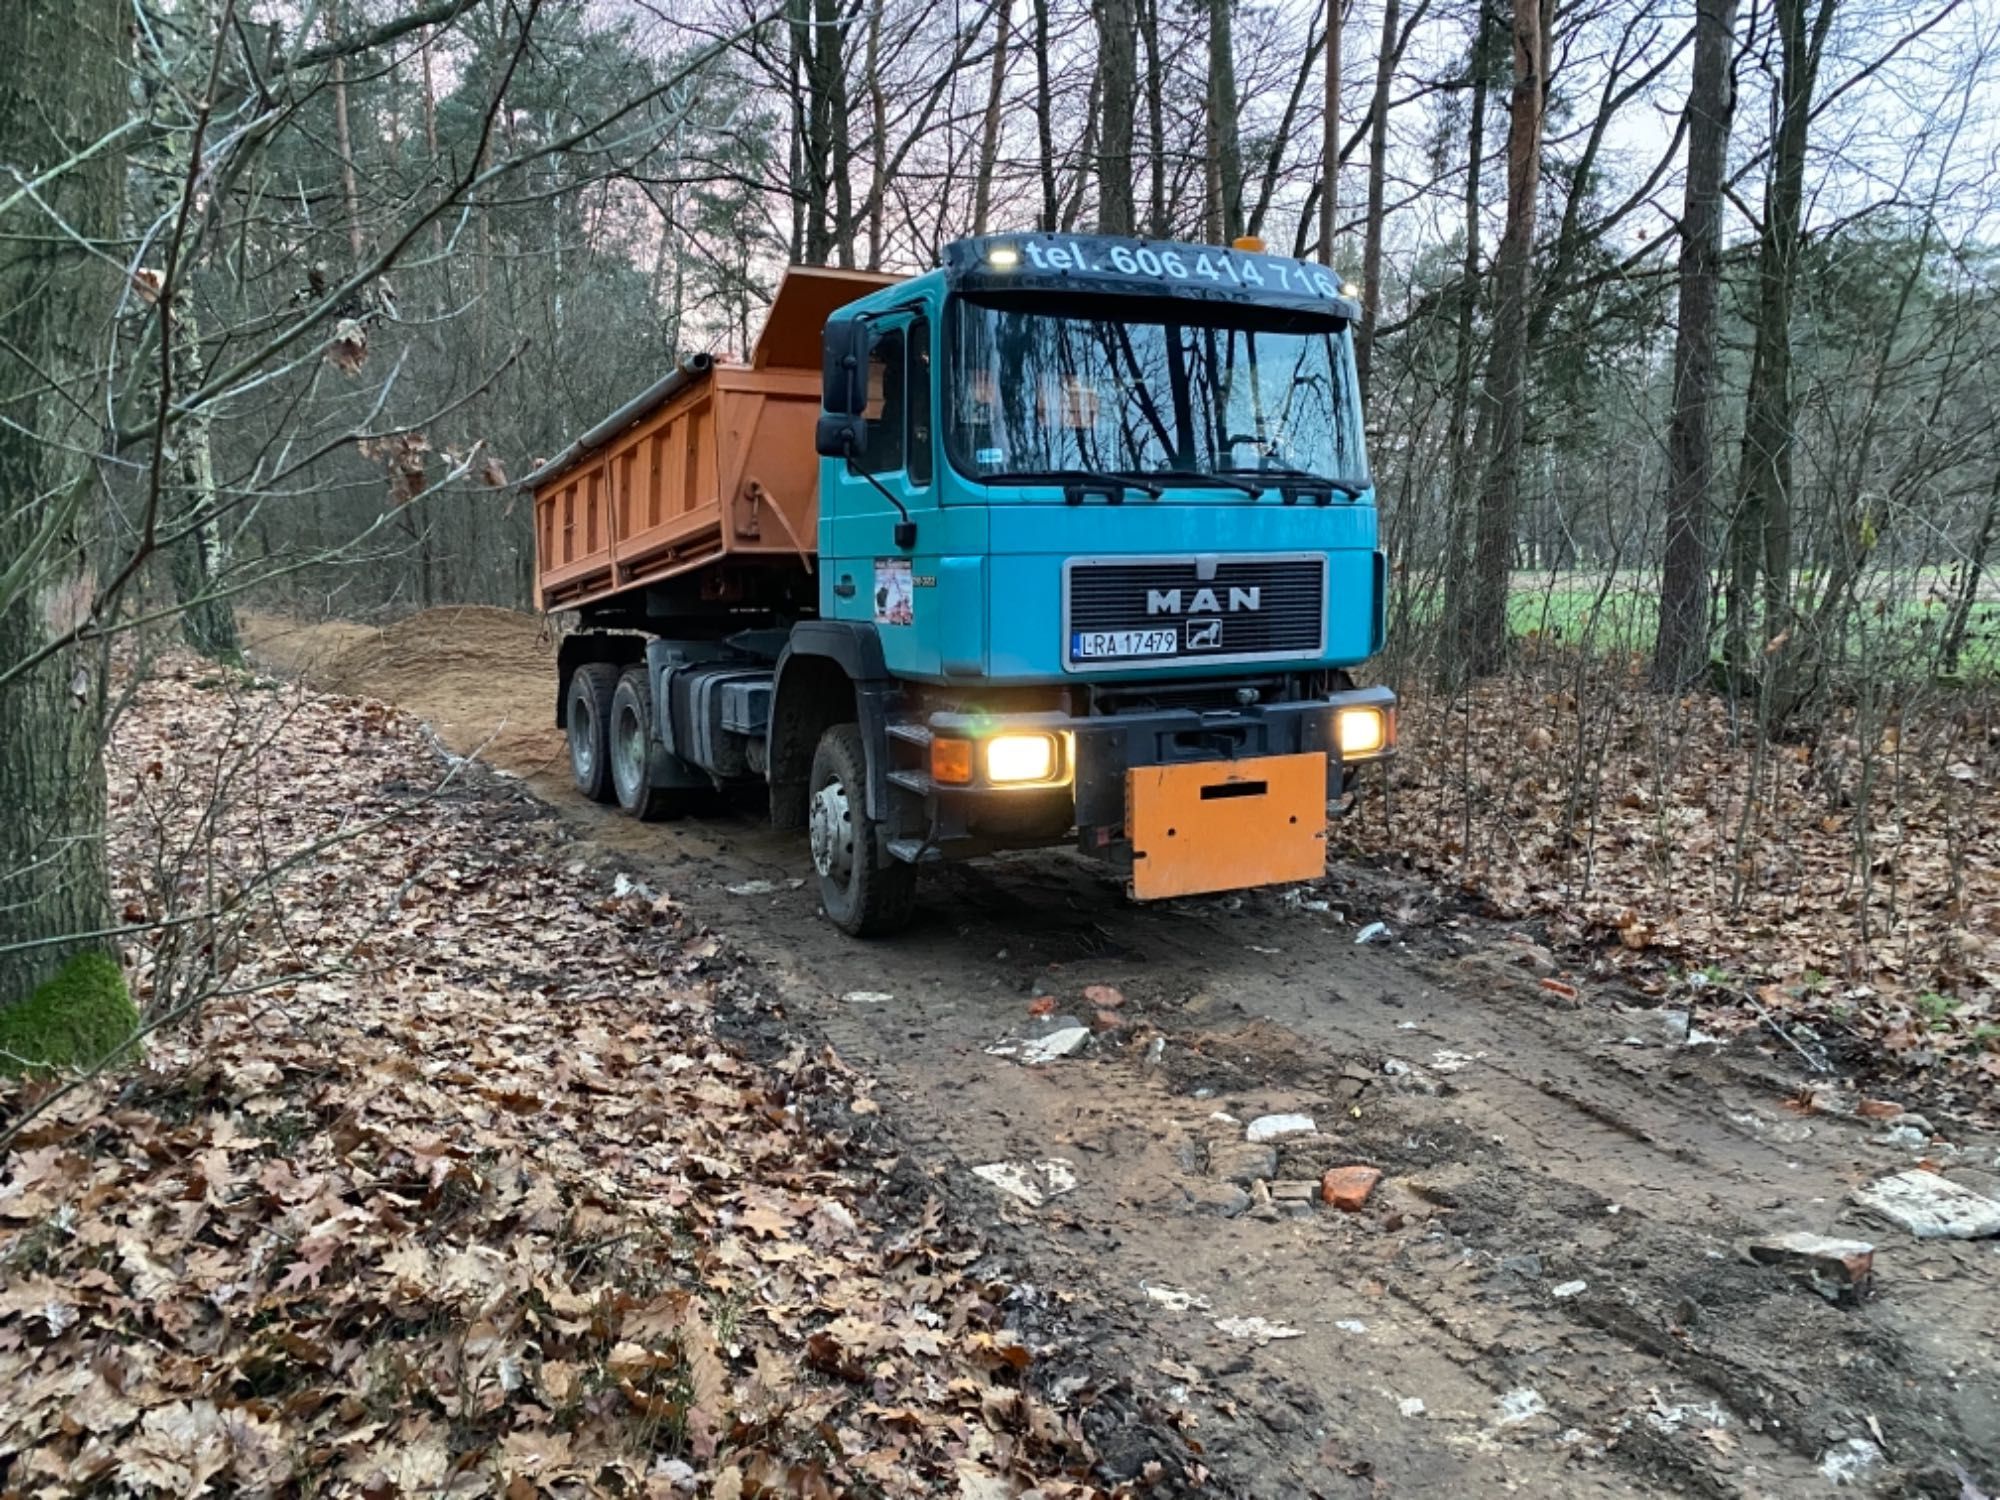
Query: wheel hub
<point x="582" y="740"/>
<point x="832" y="827"/>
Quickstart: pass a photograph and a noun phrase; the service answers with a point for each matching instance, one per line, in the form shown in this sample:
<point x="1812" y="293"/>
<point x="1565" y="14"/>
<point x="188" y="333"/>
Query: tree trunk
<point x="1761" y="533"/>
<point x="1224" y="146"/>
<point x="1329" y="162"/>
<point x="1158" y="225"/>
<point x="207" y="622"/>
<point x="878" y="139"/>
<point x="1681" y="647"/>
<point x="343" y="140"/>
<point x="1045" y="116"/>
<point x="1378" y="170"/>
<point x="1481" y="69"/>
<point x="62" y="89"/>
<point x="1118" y="73"/>
<point x="1482" y="621"/>
<point x="989" y="138"/>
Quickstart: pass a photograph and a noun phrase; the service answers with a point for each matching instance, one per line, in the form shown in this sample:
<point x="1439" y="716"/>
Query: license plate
<point x="1093" y="644"/>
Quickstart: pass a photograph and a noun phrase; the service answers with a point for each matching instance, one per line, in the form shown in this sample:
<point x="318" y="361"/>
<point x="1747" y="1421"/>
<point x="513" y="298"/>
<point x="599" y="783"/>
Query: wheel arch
<point x="831" y="672"/>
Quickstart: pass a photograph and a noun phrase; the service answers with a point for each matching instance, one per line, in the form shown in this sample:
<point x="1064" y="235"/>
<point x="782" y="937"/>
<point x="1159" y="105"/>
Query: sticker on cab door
<point x="894" y="603"/>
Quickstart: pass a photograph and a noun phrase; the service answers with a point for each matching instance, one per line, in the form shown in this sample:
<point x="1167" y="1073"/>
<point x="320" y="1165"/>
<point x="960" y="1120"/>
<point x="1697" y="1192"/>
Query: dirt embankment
<point x="482" y="678"/>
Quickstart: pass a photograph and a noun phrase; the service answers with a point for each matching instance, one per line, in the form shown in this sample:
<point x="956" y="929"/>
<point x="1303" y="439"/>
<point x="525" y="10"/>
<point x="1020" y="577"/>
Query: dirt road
<point x="1546" y="1294"/>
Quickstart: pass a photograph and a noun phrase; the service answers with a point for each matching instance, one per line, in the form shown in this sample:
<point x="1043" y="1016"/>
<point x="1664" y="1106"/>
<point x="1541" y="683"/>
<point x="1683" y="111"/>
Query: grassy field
<point x="1621" y="614"/>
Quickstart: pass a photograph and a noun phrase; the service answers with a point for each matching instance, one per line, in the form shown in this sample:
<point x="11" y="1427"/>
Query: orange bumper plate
<point x="1225" y="825"/>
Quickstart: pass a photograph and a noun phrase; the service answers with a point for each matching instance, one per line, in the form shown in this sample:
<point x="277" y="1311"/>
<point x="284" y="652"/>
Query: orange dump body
<point x="717" y="472"/>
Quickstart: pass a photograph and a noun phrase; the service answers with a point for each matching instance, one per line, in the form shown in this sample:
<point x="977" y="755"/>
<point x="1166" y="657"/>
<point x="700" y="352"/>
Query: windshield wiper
<point x="1079" y="481"/>
<point x="1227" y="480"/>
<point x="1347" y="487"/>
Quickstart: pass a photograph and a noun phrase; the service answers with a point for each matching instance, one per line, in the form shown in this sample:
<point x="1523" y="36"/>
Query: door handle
<point x="845" y="588"/>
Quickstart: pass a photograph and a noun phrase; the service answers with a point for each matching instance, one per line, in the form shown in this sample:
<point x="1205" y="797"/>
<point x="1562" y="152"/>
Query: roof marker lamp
<point x="1349" y="289"/>
<point x="1003" y="257"/>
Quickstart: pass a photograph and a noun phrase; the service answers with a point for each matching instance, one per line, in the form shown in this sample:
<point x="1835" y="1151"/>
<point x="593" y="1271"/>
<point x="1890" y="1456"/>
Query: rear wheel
<point x="588" y="715"/>
<point x="631" y="750"/>
<point x="865" y="891"/>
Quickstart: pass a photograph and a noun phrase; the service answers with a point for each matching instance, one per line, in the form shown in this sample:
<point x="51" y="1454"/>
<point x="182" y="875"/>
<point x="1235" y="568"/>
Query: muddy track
<point x="1552" y="1265"/>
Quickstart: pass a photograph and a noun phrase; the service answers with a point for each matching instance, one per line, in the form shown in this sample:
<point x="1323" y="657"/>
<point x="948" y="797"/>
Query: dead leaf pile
<point x="454" y="1188"/>
<point x="1851" y="885"/>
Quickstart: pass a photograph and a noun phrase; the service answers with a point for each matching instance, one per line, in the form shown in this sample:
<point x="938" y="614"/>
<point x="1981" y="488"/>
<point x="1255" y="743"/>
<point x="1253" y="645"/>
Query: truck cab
<point x="1094" y="548"/>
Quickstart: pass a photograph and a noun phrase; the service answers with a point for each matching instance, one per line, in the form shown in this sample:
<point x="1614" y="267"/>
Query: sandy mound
<point x="483" y="678"/>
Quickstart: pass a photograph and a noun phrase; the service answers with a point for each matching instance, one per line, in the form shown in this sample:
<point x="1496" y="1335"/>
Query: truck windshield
<point x="1034" y="392"/>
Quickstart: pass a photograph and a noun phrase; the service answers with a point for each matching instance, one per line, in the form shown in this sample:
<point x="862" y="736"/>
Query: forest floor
<point x="1548" y="1291"/>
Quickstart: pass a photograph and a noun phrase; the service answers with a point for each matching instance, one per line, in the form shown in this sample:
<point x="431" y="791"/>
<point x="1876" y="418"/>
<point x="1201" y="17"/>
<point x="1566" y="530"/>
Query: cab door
<point x="867" y="577"/>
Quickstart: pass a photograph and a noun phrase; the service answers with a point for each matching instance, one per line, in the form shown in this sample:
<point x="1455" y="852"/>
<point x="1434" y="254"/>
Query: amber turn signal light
<point x="951" y="762"/>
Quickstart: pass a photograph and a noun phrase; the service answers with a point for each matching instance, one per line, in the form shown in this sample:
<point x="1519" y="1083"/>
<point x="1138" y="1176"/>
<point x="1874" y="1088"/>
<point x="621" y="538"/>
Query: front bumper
<point x="1096" y="797"/>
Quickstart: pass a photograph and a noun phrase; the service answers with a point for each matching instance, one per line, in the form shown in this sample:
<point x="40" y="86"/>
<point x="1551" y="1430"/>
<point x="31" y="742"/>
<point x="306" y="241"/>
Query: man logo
<point x="1204" y="635"/>
<point x="1204" y="602"/>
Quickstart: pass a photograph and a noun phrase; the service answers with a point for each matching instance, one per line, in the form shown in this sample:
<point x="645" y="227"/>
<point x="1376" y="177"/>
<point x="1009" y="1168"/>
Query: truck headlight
<point x="1017" y="759"/>
<point x="1360" y="732"/>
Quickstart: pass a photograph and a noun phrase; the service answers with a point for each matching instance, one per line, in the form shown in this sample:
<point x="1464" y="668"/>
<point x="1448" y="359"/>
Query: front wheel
<point x="865" y="891"/>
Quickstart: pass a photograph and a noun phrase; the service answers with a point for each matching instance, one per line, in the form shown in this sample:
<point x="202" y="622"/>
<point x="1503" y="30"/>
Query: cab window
<point x="918" y="399"/>
<point x="886" y="410"/>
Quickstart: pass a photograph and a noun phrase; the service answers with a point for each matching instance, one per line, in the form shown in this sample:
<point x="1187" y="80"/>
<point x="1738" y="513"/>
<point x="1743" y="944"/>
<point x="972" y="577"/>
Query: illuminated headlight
<point x="1361" y="732"/>
<point x="1016" y="759"/>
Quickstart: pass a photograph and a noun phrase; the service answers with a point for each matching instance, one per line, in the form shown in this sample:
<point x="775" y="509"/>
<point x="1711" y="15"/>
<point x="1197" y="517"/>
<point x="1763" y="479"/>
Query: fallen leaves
<point x="1851" y="884"/>
<point x="460" y="1191"/>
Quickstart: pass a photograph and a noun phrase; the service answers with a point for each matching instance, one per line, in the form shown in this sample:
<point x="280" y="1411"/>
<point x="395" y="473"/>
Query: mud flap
<point x="1226" y="825"/>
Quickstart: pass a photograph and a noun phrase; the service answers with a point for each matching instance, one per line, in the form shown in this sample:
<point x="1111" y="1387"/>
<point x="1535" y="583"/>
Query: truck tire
<point x="588" y="715"/>
<point x="631" y="746"/>
<point x="865" y="892"/>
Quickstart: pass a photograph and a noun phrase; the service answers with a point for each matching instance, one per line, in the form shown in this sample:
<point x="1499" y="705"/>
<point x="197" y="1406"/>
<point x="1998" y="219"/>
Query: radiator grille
<point x="1247" y="609"/>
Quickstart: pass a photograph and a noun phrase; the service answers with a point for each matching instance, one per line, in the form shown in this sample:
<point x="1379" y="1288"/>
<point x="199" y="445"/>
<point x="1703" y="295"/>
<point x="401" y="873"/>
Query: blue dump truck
<point x="1070" y="540"/>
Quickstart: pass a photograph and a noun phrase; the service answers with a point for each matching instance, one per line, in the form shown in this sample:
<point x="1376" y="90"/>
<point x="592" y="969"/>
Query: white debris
<point x="1274" y="1127"/>
<point x="1059" y="1043"/>
<point x="1446" y="1061"/>
<point x="1259" y="1329"/>
<point x="1395" y="1067"/>
<point x="1906" y="1136"/>
<point x="1522" y="1405"/>
<point x="677" y="1473"/>
<point x="1671" y="1418"/>
<point x="1845" y="1462"/>
<point x="753" y="888"/>
<point x="1371" y="932"/>
<point x="1931" y="1207"/>
<point x="1173" y="1299"/>
<point x="1350" y="1325"/>
<point x="868" y="997"/>
<point x="625" y="886"/>
<point x="1033" y="1183"/>
<point x="1224" y="1117"/>
<point x="1569" y="1289"/>
<point x="1411" y="1406"/>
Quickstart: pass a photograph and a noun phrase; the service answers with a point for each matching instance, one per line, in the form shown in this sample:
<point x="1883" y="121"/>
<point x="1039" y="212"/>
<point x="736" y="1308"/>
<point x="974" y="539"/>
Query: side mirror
<point x="840" y="434"/>
<point x="844" y="367"/>
<point x="843" y="430"/>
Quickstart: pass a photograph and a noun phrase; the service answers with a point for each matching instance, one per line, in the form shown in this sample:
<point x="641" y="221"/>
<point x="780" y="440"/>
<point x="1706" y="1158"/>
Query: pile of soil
<point x="482" y="678"/>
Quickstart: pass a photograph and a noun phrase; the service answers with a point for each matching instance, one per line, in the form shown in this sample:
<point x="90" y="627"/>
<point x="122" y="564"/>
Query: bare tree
<point x="63" y="126"/>
<point x="1681" y="648"/>
<point x="1118" y="82"/>
<point x="1482" y="617"/>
